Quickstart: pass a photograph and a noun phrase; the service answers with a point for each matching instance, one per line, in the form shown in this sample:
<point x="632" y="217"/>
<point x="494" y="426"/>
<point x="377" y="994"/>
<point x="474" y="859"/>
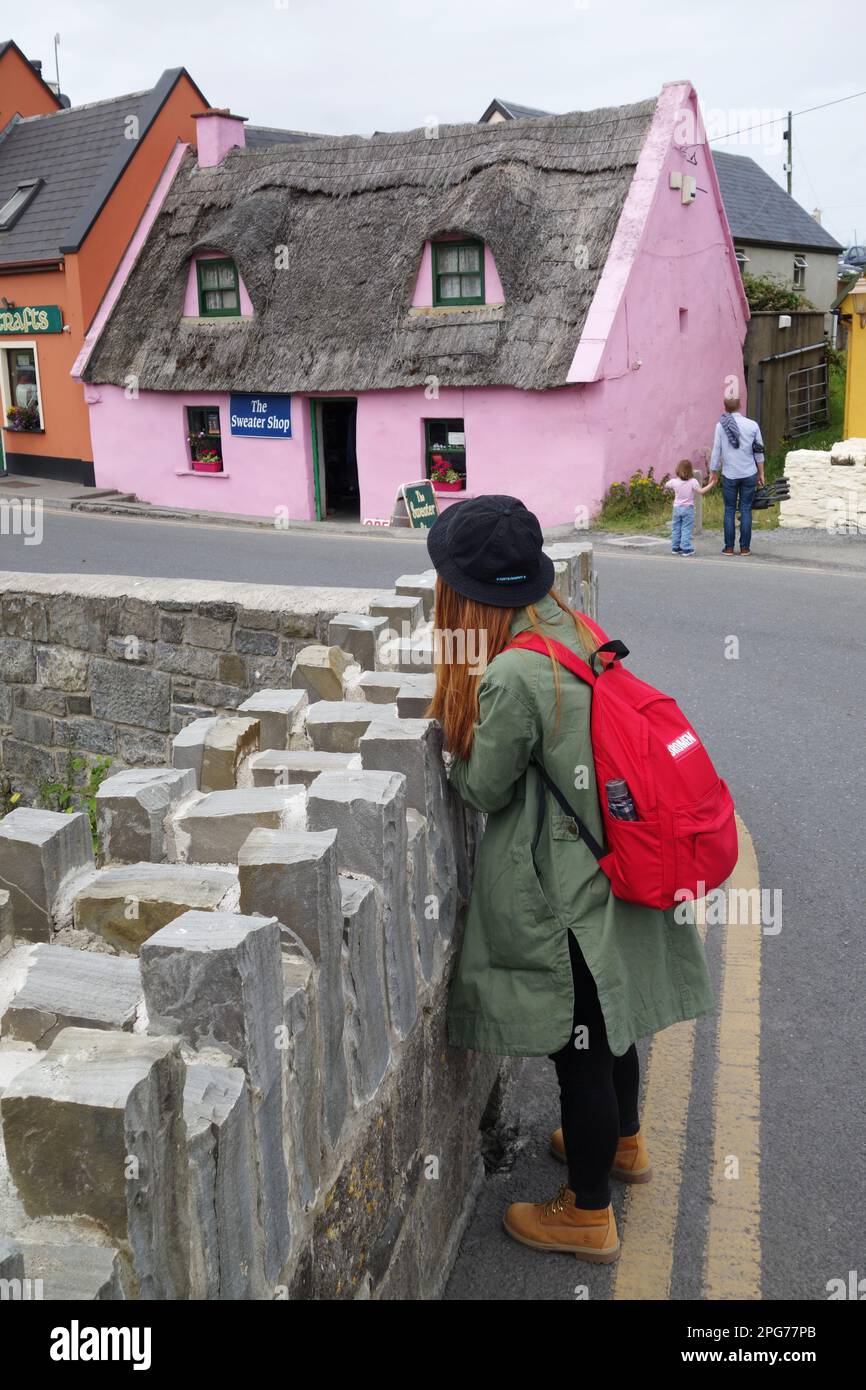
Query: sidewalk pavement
<point x="804" y="547"/>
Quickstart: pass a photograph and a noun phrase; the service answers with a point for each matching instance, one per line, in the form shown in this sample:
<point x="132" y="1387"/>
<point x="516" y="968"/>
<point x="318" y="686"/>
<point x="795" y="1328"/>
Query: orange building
<point x="74" y="183"/>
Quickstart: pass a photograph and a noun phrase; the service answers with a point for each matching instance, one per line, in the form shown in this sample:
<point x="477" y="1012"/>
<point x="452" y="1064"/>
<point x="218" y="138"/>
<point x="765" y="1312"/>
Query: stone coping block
<point x="359" y="635"/>
<point x="187" y="746"/>
<point x="283" y="767"/>
<point x="228" y="744"/>
<point x="321" y="671"/>
<point x="6" y="937"/>
<point x="421" y="586"/>
<point x="377" y="687"/>
<point x="71" y="1270"/>
<point x="399" y="609"/>
<point x="72" y="989"/>
<point x="278" y="713"/>
<point x="216" y="980"/>
<point x="226" y="1239"/>
<point x="415" y="694"/>
<point x="38" y="850"/>
<point x="131" y="808"/>
<point x="112" y="1105"/>
<point x="127" y="904"/>
<point x="212" y="829"/>
<point x="336" y="726"/>
<point x="367" y="1031"/>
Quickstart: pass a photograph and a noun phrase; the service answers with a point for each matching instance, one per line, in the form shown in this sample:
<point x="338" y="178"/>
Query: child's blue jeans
<point x="681" y="531"/>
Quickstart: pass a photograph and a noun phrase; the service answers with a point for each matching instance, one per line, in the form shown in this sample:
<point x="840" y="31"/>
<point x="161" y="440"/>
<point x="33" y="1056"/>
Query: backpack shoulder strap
<point x="531" y="642"/>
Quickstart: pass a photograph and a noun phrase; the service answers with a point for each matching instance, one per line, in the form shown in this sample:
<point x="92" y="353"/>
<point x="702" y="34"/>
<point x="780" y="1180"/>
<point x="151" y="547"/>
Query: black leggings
<point x="598" y="1092"/>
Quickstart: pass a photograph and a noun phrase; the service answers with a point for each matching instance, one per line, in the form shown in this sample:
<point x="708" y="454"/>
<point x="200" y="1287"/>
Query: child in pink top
<point x="684" y="486"/>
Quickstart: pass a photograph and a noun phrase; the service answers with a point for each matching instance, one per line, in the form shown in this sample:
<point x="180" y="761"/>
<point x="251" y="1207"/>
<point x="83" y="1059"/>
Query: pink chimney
<point x="217" y="132"/>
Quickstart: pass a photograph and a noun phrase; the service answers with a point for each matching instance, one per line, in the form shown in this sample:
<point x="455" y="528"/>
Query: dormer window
<point x="458" y="273"/>
<point x="218" y="288"/>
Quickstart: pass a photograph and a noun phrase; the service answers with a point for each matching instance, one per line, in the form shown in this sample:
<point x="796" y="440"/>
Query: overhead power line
<point x="775" y="121"/>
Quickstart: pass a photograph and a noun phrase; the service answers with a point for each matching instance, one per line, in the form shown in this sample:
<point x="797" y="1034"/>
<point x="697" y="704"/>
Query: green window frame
<point x="219" y="291"/>
<point x="436" y="445"/>
<point x="204" y="437"/>
<point x="458" y="266"/>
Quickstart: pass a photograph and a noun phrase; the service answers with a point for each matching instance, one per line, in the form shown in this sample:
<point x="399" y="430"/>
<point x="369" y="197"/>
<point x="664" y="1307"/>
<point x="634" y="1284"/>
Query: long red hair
<point x="458" y="672"/>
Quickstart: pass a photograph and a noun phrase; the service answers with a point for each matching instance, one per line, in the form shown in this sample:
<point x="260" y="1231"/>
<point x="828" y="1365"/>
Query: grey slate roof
<point x="80" y="153"/>
<point x="513" y="110"/>
<point x="759" y="210"/>
<point x="260" y="136"/>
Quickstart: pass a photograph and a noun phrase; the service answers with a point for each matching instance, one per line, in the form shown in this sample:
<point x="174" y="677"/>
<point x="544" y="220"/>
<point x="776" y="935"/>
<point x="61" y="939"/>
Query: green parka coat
<point x="512" y="992"/>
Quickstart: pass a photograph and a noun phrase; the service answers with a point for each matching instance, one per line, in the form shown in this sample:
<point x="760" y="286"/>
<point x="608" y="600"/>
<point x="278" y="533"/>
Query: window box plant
<point x="23" y="417"/>
<point x="443" y="477"/>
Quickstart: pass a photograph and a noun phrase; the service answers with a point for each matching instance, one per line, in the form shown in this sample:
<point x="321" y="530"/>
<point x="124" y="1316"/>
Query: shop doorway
<point x="335" y="461"/>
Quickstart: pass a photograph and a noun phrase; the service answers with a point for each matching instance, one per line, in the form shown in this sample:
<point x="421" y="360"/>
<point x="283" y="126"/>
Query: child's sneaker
<point x="687" y="552"/>
<point x="675" y="550"/>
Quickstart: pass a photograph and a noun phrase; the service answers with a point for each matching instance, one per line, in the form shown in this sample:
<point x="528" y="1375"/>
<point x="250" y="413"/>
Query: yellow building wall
<point x="855" y="381"/>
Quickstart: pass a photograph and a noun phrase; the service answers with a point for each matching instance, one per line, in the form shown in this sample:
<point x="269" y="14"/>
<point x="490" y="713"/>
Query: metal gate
<point x="807" y="402"/>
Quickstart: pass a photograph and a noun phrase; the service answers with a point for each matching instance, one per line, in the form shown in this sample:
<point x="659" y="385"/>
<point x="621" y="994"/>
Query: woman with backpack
<point x="551" y="963"/>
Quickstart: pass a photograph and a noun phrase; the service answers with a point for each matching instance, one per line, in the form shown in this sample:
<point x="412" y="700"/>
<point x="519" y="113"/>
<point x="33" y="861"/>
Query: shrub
<point x="642" y="494"/>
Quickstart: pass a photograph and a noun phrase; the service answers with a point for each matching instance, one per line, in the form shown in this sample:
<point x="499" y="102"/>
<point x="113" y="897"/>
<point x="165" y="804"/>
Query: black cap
<point x="489" y="549"/>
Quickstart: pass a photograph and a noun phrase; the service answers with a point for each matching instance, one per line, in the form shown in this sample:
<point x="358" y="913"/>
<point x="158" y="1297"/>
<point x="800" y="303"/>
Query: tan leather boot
<point x="632" y="1161"/>
<point x="560" y="1225"/>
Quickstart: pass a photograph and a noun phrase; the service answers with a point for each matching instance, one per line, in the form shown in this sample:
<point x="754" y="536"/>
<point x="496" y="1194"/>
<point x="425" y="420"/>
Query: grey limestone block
<point x="125" y="905"/>
<point x="368" y="810"/>
<point x="335" y="726"/>
<point x="302" y="1058"/>
<point x="70" y="1267"/>
<point x="421" y="586"/>
<point x="359" y="635"/>
<point x="321" y="671"/>
<point x="39" y="850"/>
<point x="278" y="713"/>
<point x="282" y="767"/>
<point x="415" y="693"/>
<point x="293" y="877"/>
<point x="377" y="687"/>
<point x="6" y="935"/>
<point x="227" y="1241"/>
<point x="66" y="988"/>
<point x="212" y="829"/>
<point x="228" y="744"/>
<point x="215" y="979"/>
<point x="403" y="611"/>
<point x="367" y="1030"/>
<point x="131" y="808"/>
<point x="187" y="746"/>
<point x="112" y="1105"/>
<point x="414" y="747"/>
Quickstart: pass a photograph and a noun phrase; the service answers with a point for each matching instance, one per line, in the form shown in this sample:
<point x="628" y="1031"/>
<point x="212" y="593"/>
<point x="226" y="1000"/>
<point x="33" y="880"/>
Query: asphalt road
<point x="784" y="720"/>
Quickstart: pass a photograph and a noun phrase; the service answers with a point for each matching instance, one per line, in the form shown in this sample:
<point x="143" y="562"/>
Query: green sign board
<point x="31" y="318"/>
<point x="421" y="503"/>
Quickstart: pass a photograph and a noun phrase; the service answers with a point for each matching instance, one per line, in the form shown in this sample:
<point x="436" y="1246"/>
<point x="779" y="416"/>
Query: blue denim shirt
<point x="741" y="462"/>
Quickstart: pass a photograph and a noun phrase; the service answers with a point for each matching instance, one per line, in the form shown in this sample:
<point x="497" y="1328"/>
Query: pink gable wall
<point x="422" y="297"/>
<point x="190" y="298"/>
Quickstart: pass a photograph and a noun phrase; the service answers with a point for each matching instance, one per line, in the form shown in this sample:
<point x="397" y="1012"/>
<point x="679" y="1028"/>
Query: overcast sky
<point x="361" y="65"/>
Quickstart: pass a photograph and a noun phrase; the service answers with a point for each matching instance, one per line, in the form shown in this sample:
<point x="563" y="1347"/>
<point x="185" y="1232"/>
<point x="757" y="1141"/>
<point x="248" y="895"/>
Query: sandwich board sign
<point x="420" y="503"/>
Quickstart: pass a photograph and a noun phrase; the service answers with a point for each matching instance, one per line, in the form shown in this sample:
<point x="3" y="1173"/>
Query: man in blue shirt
<point x="738" y="452"/>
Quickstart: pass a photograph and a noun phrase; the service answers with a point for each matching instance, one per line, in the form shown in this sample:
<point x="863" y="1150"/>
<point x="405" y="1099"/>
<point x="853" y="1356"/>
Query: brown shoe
<point x="728" y="552"/>
<point x="632" y="1161"/>
<point x="560" y="1225"/>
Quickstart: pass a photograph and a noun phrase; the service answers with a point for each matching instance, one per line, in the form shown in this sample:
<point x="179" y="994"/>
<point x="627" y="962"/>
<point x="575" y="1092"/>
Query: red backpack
<point x="685" y="840"/>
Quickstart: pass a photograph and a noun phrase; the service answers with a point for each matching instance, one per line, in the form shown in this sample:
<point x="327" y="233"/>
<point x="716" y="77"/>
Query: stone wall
<point x="113" y="667"/>
<point x="224" y="1066"/>
<point x="828" y="489"/>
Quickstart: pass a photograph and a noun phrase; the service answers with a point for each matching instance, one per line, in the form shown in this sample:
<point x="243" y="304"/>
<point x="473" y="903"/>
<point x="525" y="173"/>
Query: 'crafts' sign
<point x="32" y="318"/>
<point x="261" y="417"/>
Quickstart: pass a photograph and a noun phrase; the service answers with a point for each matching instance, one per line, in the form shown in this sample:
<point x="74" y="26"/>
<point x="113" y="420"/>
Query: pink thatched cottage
<point x="535" y="307"/>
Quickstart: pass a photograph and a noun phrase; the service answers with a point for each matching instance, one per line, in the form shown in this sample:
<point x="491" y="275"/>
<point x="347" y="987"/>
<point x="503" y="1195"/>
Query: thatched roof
<point x="544" y="194"/>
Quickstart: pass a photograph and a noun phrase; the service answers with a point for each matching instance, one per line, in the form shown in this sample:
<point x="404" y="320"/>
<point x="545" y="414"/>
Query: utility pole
<point x="789" y="162"/>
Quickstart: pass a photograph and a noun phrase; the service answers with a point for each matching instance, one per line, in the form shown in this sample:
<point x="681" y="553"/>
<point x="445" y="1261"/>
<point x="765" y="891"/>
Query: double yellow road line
<point x="732" y="1257"/>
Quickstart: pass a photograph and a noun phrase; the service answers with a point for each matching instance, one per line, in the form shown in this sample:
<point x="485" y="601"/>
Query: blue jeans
<point x="739" y="492"/>
<point x="681" y="531"/>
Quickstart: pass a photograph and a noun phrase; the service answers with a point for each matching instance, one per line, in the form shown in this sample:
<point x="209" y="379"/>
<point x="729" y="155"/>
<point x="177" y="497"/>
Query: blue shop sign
<point x="261" y="417"/>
